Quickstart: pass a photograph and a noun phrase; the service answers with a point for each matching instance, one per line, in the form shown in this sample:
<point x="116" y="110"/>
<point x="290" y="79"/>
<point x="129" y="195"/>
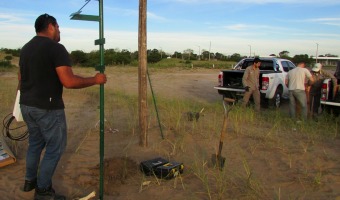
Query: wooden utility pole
<point x="142" y="73"/>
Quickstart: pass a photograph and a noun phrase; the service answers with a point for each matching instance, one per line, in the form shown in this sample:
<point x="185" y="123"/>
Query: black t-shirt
<point x="40" y="85"/>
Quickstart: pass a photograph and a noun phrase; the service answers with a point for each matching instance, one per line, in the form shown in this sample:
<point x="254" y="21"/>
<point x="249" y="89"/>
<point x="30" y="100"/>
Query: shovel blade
<point x="218" y="161"/>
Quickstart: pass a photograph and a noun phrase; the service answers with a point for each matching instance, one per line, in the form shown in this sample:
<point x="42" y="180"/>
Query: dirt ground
<point x="292" y="168"/>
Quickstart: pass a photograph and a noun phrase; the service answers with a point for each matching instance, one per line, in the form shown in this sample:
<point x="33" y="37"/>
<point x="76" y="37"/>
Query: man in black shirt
<point x="45" y="68"/>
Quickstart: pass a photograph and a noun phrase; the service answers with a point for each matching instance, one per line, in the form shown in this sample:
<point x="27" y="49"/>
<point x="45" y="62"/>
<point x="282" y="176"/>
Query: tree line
<point x="125" y="57"/>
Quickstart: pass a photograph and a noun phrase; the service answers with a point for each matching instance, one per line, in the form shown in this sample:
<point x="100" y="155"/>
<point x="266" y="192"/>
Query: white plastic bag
<point x="17" y="111"/>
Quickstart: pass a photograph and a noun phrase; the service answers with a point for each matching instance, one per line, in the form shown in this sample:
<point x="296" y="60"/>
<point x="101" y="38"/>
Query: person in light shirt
<point x="295" y="81"/>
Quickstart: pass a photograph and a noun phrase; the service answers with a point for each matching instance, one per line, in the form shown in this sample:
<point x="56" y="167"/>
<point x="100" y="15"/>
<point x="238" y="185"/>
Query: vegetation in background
<point x="158" y="58"/>
<point x="6" y="57"/>
<point x="5" y="63"/>
<point x="13" y="52"/>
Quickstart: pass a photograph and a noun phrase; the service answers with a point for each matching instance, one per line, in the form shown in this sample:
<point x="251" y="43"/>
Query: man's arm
<point x="287" y="80"/>
<point x="310" y="77"/>
<point x="331" y="76"/>
<point x="311" y="80"/>
<point x="245" y="77"/>
<point x="72" y="81"/>
<point x="334" y="80"/>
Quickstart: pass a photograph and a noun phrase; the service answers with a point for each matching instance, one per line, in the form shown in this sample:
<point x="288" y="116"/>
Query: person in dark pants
<point x="45" y="68"/>
<point x="319" y="76"/>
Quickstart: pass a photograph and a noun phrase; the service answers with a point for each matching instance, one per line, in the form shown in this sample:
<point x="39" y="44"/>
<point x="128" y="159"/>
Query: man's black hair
<point x="256" y="60"/>
<point x="42" y="22"/>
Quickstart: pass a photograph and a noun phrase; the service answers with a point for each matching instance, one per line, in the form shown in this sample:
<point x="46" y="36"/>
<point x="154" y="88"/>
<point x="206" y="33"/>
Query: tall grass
<point x="270" y="129"/>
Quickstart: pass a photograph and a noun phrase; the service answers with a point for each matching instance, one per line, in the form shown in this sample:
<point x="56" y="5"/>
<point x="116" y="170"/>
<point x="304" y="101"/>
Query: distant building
<point x="330" y="61"/>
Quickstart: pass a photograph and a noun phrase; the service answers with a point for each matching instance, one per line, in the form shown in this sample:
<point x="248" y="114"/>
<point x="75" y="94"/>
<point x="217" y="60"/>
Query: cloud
<point x="156" y="17"/>
<point x="326" y="21"/>
<point x="332" y="24"/>
<point x="238" y="27"/>
<point x="246" y="29"/>
<point x="170" y="42"/>
<point x="134" y="13"/>
<point x="15" y="17"/>
<point x="257" y="1"/>
<point x="6" y="18"/>
<point x="317" y="35"/>
<point x="122" y="11"/>
<point x="231" y="38"/>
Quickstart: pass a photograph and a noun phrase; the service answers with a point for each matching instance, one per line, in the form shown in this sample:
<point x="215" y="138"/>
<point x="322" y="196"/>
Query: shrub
<point x="8" y="58"/>
<point x="5" y="63"/>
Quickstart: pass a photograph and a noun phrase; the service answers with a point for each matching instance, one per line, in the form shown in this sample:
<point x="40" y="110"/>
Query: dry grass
<point x="268" y="156"/>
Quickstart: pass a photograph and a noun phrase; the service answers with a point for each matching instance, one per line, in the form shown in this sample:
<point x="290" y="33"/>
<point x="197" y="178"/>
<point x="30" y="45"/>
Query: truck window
<point x="285" y="66"/>
<point x="291" y="65"/>
<point x="267" y="65"/>
<point x="246" y="63"/>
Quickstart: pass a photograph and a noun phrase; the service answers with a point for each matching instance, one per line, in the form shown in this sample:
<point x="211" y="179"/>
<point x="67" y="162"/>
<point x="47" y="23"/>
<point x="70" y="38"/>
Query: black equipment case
<point x="148" y="167"/>
<point x="161" y="167"/>
<point x="169" y="170"/>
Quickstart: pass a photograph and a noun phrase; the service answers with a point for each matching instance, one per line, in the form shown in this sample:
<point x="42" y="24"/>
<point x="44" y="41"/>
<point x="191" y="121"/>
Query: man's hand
<point x="72" y="81"/>
<point x="100" y="78"/>
<point x="246" y="88"/>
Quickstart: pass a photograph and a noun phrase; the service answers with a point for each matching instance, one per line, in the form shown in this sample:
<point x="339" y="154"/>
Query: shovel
<point x="217" y="159"/>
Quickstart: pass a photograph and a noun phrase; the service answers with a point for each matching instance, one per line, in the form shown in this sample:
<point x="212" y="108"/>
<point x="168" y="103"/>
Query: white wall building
<point x="330" y="61"/>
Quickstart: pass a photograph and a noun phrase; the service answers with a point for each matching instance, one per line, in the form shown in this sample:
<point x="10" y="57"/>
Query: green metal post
<point x="102" y="68"/>
<point x="154" y="102"/>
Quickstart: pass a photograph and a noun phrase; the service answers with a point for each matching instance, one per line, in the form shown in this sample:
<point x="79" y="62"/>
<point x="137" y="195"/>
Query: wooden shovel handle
<point x="229" y="100"/>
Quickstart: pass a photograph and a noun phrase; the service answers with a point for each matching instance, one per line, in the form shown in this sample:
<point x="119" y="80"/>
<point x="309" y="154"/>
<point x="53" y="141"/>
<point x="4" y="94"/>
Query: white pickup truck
<point x="273" y="72"/>
<point x="329" y="103"/>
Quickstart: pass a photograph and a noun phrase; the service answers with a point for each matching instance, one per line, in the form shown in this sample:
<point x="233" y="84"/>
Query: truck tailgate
<point x="233" y="79"/>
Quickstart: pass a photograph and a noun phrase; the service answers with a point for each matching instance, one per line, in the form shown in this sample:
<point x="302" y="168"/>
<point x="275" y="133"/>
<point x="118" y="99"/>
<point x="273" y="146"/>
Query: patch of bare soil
<point x="117" y="172"/>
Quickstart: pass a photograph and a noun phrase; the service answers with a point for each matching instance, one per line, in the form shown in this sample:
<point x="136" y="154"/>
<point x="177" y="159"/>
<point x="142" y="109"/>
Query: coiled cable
<point x="7" y="130"/>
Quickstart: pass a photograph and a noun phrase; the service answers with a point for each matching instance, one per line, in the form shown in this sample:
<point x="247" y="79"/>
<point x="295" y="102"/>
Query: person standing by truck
<point x="250" y="82"/>
<point x="319" y="76"/>
<point x="337" y="72"/>
<point x="295" y="81"/>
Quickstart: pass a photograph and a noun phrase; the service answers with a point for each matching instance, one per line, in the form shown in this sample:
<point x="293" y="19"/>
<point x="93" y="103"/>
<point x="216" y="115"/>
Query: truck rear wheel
<point x="276" y="100"/>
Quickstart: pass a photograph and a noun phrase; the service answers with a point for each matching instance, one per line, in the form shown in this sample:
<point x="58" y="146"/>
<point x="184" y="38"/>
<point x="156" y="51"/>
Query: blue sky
<point x="259" y="27"/>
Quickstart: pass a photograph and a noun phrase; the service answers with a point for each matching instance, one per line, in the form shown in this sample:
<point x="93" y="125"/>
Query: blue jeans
<point x="47" y="129"/>
<point x="300" y="97"/>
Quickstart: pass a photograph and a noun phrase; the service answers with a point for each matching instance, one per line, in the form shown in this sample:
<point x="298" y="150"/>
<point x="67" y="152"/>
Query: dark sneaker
<point x="47" y="194"/>
<point x="30" y="185"/>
